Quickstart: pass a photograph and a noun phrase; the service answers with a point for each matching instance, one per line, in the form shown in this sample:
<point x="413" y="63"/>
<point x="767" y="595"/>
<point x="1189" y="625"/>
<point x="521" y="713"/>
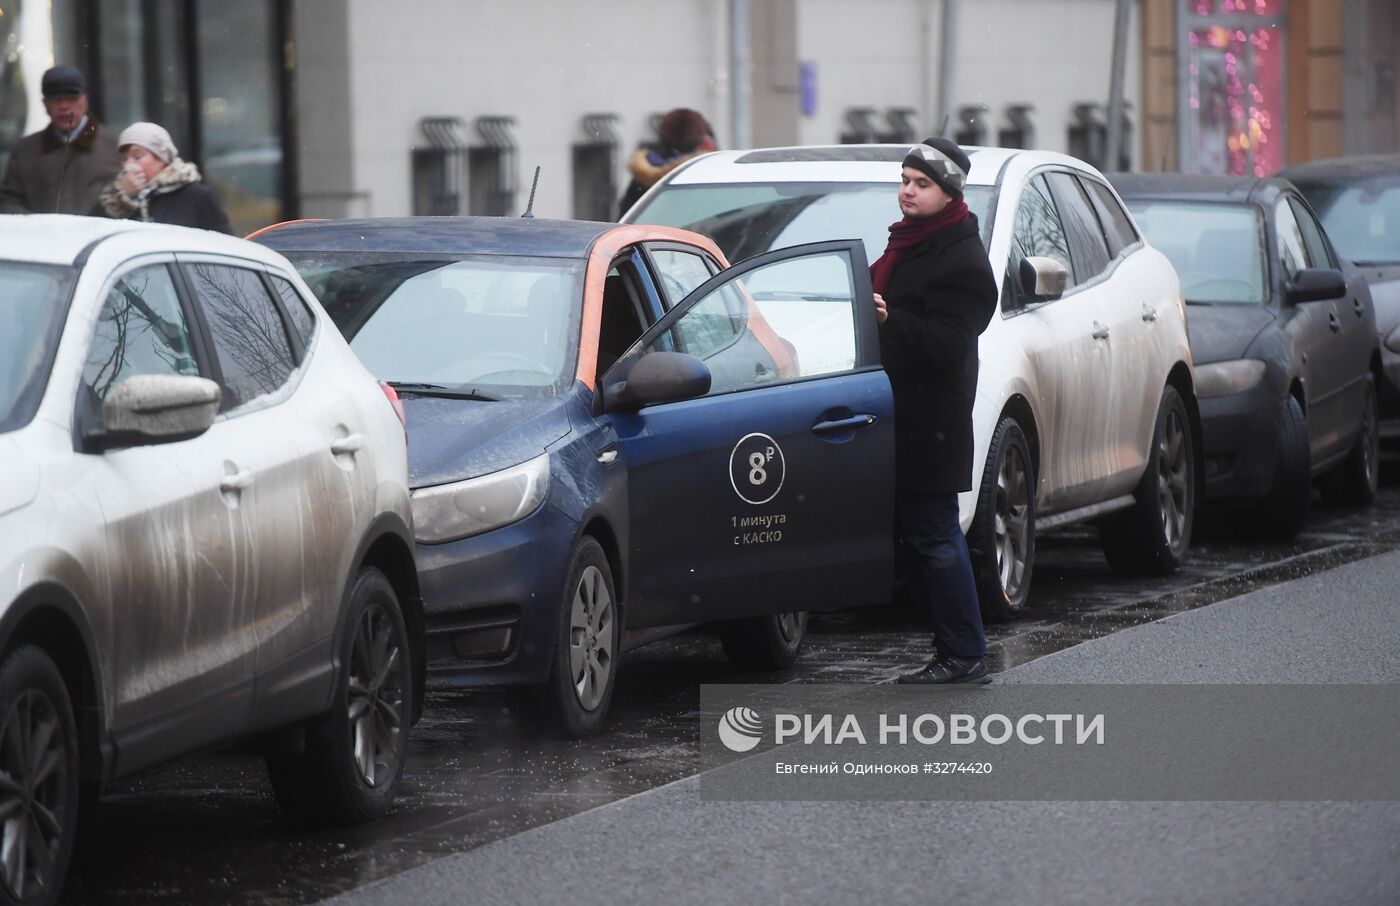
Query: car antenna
<point x="530" y="206"/>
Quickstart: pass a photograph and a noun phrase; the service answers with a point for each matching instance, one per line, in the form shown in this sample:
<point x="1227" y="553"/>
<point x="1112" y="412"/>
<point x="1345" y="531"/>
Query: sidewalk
<point x="667" y="845"/>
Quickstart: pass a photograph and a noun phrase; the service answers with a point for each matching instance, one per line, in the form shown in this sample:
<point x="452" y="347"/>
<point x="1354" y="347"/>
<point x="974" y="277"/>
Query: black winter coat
<point x="940" y="298"/>
<point x="194" y="205"/>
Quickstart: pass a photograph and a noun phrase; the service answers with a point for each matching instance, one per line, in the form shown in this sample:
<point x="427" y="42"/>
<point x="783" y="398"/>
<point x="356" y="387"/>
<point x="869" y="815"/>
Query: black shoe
<point x="948" y="669"/>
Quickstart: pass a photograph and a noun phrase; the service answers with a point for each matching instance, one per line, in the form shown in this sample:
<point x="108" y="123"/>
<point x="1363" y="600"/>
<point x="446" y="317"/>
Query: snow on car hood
<point x="452" y="440"/>
<point x="21" y="473"/>
<point x="1223" y="332"/>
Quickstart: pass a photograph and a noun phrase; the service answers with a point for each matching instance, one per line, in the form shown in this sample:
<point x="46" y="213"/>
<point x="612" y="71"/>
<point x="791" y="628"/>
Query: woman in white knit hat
<point x="157" y="186"/>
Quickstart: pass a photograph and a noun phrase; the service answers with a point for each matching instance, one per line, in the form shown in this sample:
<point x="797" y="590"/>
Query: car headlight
<point x="1392" y="342"/>
<point x="447" y="512"/>
<point x="1225" y="378"/>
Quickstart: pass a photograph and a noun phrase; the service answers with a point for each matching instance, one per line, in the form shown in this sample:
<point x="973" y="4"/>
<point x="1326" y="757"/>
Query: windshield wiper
<point x="1375" y="263"/>
<point x="1198" y="302"/>
<point x="441" y="390"/>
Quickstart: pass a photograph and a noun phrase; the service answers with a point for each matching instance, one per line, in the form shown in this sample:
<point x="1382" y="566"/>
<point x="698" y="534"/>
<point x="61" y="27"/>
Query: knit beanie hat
<point x="151" y="137"/>
<point x="942" y="161"/>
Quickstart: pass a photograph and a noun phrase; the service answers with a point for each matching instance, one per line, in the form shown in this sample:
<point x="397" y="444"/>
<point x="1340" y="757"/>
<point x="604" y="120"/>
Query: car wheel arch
<point x="600" y="529"/>
<point x="388" y="547"/>
<point x="1019" y="408"/>
<point x="1180" y="378"/>
<point x="47" y="616"/>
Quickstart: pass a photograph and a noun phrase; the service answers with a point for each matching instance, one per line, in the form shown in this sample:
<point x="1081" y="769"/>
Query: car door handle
<point x="351" y="444"/>
<point x="1148" y="312"/>
<point x="843" y="424"/>
<point x="236" y="482"/>
<point x="1100" y="331"/>
<point x="1334" y="322"/>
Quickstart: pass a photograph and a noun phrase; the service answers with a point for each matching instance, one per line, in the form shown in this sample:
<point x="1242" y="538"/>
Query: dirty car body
<point x="537" y="360"/>
<point x="1358" y="201"/>
<point x="197" y="470"/>
<point x="1245" y="249"/>
<point x="1088" y="342"/>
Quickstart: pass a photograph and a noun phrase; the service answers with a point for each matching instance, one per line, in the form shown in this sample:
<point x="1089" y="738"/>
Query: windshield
<point x="33" y="307"/>
<point x="747" y="219"/>
<point x="1217" y="249"/>
<point x="1363" y="220"/>
<point x="495" y="326"/>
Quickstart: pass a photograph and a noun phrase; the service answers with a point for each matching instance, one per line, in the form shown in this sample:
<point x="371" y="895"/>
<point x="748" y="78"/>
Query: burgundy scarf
<point x="908" y="233"/>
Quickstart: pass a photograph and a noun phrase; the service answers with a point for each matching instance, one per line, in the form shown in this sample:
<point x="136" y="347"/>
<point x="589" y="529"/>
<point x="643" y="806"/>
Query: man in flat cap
<point x="934" y="294"/>
<point x="61" y="169"/>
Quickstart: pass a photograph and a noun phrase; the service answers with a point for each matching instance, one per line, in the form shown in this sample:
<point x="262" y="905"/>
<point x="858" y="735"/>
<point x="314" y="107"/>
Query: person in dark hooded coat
<point x="155" y="185"/>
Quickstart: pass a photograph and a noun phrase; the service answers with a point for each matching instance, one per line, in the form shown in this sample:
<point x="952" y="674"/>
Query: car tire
<point x="583" y="671"/>
<point x="41" y="791"/>
<point x="1152" y="536"/>
<point x="1281" y="514"/>
<point x="771" y="642"/>
<point x="1355" y="481"/>
<point x="1002" y="535"/>
<point x="353" y="759"/>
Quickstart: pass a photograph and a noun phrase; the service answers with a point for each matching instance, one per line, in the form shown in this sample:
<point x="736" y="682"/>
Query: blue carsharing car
<point x="613" y="434"/>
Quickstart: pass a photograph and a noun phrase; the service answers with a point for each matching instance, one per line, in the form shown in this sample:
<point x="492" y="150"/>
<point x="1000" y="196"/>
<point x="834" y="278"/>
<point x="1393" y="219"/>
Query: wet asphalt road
<point x="206" y="829"/>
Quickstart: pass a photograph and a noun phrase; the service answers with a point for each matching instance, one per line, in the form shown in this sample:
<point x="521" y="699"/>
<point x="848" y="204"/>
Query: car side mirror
<point x="657" y="377"/>
<point x="157" y="408"/>
<point x="1042" y="278"/>
<point x="1314" y="284"/>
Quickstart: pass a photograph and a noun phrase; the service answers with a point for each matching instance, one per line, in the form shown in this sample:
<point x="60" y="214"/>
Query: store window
<point x="1233" y="65"/>
<point x="34" y="35"/>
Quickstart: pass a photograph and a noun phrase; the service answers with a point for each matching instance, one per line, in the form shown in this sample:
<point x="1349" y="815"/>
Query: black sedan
<point x="1358" y="201"/>
<point x="1283" y="336"/>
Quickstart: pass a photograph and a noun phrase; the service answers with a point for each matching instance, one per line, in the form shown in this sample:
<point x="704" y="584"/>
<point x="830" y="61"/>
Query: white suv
<point x="205" y="531"/>
<point x="1085" y="404"/>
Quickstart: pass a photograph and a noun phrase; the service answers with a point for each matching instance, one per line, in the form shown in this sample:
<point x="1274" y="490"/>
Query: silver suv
<point x="205" y="531"/>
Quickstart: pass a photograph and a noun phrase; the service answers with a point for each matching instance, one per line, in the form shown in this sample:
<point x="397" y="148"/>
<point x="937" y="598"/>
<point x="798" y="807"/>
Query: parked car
<point x="1284" y="342"/>
<point x="1086" y="407"/>
<point x="611" y="435"/>
<point x="1358" y="201"/>
<point x="205" y="531"/>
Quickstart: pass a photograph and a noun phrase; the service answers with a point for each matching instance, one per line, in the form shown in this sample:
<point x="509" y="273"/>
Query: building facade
<point x="336" y="108"/>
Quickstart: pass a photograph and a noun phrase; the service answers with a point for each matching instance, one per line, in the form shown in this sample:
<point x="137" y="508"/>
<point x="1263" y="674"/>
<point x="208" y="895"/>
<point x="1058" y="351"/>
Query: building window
<point x="1233" y="75"/>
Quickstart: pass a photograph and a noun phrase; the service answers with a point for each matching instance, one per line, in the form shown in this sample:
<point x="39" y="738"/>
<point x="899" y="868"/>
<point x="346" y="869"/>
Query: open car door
<point x="756" y="426"/>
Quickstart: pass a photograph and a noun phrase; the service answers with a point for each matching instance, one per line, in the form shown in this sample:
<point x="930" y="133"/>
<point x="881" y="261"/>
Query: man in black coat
<point x="934" y="295"/>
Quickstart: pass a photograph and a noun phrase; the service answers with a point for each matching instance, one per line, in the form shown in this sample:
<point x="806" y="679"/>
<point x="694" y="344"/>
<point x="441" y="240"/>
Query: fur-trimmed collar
<point x="176" y="175"/>
<point x="50" y="140"/>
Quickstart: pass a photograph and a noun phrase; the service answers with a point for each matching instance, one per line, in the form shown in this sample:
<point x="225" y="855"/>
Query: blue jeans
<point x="939" y="572"/>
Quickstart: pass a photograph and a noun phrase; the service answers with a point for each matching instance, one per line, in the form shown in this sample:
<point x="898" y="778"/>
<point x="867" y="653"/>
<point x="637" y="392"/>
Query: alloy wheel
<point x="1012" y="527"/>
<point x="33" y="785"/>
<point x="792" y="624"/>
<point x="1173" y="482"/>
<point x="591" y="638"/>
<point x="376" y="699"/>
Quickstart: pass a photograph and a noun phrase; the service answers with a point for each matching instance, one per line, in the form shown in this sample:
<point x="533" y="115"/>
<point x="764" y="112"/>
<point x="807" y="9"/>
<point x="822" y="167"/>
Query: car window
<point x="1117" y="225"/>
<point x="249" y="336"/>
<point x="1217" y="249"/>
<point x="504" y="325"/>
<point x="303" y="321"/>
<point x="140" y="330"/>
<point x="1362" y="219"/>
<point x="1312" y="235"/>
<point x="1038" y="230"/>
<point x="748" y="219"/>
<point x="33" y="307"/>
<point x="1086" y="242"/>
<point x="680" y="273"/>
<point x="1292" y="251"/>
<point x="784" y="321"/>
